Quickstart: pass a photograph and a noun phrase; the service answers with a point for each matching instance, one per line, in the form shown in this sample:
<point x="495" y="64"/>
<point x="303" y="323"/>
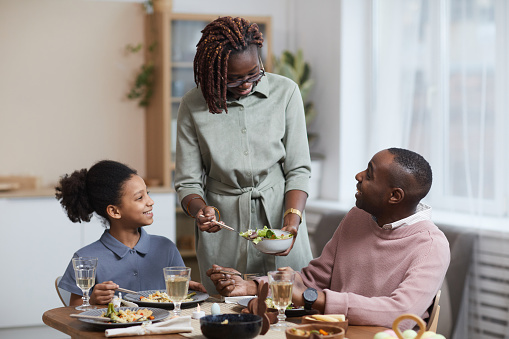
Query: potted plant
<point x="293" y="66"/>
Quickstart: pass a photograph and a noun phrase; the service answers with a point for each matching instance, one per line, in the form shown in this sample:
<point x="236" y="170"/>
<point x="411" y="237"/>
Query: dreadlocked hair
<point x="219" y="39"/>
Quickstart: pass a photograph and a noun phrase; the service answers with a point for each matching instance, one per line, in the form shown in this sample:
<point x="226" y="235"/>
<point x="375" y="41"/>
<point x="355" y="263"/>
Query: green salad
<point x="264" y="233"/>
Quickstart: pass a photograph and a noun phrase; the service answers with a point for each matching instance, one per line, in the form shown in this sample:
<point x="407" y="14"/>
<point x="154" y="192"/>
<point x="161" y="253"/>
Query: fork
<point x="222" y="225"/>
<point x="229" y="228"/>
<point x="125" y="290"/>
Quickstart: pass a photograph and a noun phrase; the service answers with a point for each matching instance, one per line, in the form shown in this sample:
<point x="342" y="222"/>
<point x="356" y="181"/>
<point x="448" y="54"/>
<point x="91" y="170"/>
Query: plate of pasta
<point x="128" y="315"/>
<point x="159" y="298"/>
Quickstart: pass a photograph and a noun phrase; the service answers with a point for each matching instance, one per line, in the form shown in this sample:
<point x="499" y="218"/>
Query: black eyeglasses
<point x="251" y="79"/>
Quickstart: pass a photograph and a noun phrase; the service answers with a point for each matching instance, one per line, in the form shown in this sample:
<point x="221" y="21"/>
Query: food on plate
<point x="264" y="233"/>
<point x="162" y="297"/>
<point x="127" y="316"/>
<point x="224" y="322"/>
<point x="306" y="333"/>
<point x="270" y="304"/>
<point x="334" y="318"/>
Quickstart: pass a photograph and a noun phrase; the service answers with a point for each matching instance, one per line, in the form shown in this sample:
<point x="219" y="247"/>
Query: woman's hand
<point x="196" y="286"/>
<point x="293" y="230"/>
<point x="295" y="199"/>
<point x="230" y="285"/>
<point x="103" y="293"/>
<point x="206" y="220"/>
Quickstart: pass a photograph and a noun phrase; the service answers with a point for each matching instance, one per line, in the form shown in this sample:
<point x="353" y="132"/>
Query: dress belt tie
<point x="245" y="194"/>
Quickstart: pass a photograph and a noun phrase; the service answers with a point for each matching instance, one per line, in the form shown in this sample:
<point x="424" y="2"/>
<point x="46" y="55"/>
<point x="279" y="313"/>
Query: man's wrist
<point x="310" y="295"/>
<point x="252" y="287"/>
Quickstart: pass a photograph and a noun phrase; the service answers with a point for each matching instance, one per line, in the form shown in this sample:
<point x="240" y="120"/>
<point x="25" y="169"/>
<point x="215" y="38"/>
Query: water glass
<point x="84" y="271"/>
<point x="177" y="284"/>
<point x="281" y="285"/>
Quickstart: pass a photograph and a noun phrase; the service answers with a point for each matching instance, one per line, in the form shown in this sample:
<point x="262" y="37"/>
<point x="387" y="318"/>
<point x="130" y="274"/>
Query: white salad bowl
<point x="272" y="246"/>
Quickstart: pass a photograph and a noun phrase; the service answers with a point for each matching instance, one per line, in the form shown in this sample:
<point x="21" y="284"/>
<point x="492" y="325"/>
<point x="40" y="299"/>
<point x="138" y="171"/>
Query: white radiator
<point x="488" y="312"/>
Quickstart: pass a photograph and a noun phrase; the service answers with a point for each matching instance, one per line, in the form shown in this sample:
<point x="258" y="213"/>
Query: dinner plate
<point x="294" y="312"/>
<point x="135" y="298"/>
<point x="157" y="313"/>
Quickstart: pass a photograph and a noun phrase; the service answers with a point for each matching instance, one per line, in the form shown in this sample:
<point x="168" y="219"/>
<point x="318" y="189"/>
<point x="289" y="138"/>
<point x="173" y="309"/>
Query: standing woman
<point x="242" y="152"/>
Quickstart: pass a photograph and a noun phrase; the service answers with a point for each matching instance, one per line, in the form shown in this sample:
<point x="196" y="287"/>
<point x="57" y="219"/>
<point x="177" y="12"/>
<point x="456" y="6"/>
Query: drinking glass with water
<point x="177" y="283"/>
<point x="84" y="271"/>
<point x="281" y="285"/>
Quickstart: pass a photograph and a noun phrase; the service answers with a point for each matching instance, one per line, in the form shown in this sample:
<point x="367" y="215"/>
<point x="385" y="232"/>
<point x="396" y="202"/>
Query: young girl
<point x="128" y="256"/>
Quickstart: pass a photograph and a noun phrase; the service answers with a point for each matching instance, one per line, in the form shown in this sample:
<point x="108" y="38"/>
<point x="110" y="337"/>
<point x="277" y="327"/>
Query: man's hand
<point x="103" y="293"/>
<point x="229" y="284"/>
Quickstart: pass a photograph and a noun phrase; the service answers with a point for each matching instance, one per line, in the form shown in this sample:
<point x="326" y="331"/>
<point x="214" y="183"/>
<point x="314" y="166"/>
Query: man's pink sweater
<point x="374" y="275"/>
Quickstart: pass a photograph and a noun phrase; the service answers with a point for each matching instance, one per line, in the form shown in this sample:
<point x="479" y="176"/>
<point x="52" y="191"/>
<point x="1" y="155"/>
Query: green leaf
<point x="310" y="112"/>
<point x="305" y="89"/>
<point x="143" y="86"/>
<point x="288" y="58"/>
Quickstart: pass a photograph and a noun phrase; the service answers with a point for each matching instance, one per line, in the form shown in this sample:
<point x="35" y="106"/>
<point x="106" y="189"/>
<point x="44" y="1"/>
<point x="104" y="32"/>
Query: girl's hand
<point x="196" y="286"/>
<point x="206" y="220"/>
<point x="103" y="293"/>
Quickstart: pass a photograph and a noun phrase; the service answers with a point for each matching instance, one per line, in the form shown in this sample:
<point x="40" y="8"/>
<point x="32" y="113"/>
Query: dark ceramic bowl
<point x="242" y="325"/>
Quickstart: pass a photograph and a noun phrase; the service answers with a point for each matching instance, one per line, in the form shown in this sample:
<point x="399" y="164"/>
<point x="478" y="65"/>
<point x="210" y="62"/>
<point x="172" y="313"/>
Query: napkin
<point x="175" y="325"/>
<point x="234" y="300"/>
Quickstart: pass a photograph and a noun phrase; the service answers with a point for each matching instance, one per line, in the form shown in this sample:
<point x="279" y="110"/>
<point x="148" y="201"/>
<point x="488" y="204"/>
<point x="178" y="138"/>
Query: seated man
<point x="386" y="257"/>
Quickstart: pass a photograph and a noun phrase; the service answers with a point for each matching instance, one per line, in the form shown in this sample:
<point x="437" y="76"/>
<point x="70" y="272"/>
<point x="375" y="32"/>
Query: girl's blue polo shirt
<point x="137" y="269"/>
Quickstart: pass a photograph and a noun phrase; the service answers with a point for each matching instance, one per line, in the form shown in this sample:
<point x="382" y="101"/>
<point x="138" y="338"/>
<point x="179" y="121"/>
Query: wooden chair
<point x="435" y="312"/>
<point x="65" y="296"/>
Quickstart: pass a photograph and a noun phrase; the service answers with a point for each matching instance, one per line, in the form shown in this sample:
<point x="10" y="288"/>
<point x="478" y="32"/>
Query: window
<point x="439" y="78"/>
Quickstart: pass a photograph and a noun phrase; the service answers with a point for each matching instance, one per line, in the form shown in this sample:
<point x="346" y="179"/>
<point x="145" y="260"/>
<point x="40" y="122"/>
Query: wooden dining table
<point x="59" y="319"/>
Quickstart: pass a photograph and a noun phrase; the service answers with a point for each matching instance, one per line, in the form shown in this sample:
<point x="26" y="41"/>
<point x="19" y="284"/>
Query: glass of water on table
<point x="84" y="271"/>
<point x="281" y="285"/>
<point x="177" y="283"/>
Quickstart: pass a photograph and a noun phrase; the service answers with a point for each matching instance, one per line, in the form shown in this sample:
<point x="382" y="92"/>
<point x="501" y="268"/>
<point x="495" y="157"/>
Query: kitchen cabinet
<point x="174" y="37"/>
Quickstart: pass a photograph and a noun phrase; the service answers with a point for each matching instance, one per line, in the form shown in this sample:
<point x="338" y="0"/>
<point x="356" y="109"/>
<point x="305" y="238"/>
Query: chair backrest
<point x="435" y="312"/>
<point x="65" y="296"/>
<point x="325" y="230"/>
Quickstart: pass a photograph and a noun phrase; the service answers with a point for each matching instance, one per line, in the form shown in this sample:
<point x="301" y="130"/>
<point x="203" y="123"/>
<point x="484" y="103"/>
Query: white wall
<point x="318" y="34"/>
<point x="279" y="10"/>
<point x="63" y="85"/>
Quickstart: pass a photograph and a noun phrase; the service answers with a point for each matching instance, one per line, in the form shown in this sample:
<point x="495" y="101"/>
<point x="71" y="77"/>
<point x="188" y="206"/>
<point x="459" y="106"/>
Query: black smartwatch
<point x="310" y="295"/>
